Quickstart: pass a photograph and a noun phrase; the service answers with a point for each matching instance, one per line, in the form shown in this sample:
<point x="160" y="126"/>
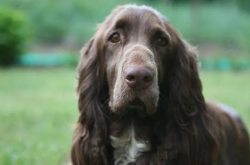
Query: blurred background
<point x="39" y="50"/>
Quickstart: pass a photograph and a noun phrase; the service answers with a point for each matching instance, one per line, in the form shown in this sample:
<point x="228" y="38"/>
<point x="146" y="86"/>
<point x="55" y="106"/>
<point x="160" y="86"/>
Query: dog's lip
<point x="137" y="104"/>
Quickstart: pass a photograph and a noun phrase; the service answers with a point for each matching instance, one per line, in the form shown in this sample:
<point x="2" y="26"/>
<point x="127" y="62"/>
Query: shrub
<point x="14" y="35"/>
<point x="244" y="4"/>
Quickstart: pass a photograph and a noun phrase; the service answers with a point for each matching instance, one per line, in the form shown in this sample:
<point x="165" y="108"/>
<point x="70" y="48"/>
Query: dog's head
<point x="135" y="48"/>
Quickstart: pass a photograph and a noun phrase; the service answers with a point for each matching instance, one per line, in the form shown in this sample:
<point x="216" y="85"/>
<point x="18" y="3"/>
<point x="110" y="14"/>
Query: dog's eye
<point x="161" y="41"/>
<point x="115" y="38"/>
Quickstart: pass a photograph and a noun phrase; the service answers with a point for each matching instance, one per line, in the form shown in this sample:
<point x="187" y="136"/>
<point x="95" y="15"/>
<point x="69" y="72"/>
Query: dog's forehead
<point x="139" y="12"/>
<point x="150" y="9"/>
<point x="143" y="8"/>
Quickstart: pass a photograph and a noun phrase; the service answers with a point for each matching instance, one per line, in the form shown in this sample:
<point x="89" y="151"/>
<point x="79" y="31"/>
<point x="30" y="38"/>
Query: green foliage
<point x="192" y="1"/>
<point x="220" y="22"/>
<point x="244" y="4"/>
<point x="54" y="21"/>
<point x="14" y="35"/>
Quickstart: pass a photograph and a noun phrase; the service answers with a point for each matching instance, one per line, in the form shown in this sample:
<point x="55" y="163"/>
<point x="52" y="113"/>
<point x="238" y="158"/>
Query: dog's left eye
<point x="115" y="38"/>
<point x="161" y="41"/>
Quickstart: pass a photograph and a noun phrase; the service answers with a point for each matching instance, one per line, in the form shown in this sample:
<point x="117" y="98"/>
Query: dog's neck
<point x="130" y="137"/>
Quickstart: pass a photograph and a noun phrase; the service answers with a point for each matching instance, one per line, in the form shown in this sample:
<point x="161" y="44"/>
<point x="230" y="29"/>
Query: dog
<point x="140" y="99"/>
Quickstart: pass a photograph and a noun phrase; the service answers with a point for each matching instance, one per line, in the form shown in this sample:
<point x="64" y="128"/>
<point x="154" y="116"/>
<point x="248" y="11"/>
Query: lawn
<point x="38" y="110"/>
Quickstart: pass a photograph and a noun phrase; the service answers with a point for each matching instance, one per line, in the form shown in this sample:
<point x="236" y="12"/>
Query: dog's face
<point x="132" y="53"/>
<point x="136" y="46"/>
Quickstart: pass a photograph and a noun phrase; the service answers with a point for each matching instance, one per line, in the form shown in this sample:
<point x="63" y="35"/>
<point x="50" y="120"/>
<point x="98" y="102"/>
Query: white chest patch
<point x="126" y="148"/>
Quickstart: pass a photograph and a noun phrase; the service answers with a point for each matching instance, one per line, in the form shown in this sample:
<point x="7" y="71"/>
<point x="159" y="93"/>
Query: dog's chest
<point x="127" y="148"/>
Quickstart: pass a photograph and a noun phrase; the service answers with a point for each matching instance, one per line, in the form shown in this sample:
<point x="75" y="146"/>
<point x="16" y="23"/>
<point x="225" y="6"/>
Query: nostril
<point x="130" y="78"/>
<point x="147" y="79"/>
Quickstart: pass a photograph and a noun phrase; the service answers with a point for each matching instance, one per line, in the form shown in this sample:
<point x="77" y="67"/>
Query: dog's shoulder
<point x="223" y="111"/>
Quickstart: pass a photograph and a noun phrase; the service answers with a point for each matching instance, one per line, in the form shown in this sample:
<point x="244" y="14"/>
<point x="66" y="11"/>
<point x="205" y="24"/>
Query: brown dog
<point x="141" y="101"/>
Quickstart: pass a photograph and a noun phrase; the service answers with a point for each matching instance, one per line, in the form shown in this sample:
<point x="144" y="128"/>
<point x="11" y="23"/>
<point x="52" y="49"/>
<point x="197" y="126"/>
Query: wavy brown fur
<point x="181" y="128"/>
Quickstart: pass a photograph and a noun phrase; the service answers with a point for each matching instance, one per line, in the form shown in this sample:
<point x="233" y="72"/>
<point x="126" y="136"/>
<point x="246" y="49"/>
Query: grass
<point x="231" y="88"/>
<point x="38" y="109"/>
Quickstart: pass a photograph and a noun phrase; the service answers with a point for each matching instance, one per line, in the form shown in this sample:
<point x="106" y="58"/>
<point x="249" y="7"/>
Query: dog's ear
<point x="187" y="108"/>
<point x="90" y="134"/>
<point x="182" y="82"/>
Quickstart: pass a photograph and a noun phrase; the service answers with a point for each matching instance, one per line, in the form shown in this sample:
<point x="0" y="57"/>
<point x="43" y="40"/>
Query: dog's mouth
<point x="133" y="102"/>
<point x="137" y="106"/>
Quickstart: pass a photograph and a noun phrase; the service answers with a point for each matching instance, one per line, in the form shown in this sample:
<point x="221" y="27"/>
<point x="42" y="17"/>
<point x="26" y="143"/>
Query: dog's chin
<point x="136" y="104"/>
<point x="136" y="107"/>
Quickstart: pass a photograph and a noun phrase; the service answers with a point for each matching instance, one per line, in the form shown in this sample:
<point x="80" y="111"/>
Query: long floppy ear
<point x="185" y="88"/>
<point x="187" y="108"/>
<point x="90" y="133"/>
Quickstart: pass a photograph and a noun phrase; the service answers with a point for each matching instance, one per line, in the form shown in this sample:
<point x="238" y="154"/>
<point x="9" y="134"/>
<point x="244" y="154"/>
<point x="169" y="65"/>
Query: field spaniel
<point x="141" y="103"/>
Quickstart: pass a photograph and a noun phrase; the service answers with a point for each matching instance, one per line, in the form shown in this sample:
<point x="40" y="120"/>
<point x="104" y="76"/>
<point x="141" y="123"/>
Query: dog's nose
<point x="138" y="76"/>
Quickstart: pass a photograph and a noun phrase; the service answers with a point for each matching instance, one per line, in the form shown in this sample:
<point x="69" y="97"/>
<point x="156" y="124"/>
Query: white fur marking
<point x="127" y="149"/>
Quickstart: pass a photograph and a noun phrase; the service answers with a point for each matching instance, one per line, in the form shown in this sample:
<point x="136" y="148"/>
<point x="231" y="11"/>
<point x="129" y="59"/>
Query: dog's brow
<point x="159" y="29"/>
<point x="121" y="23"/>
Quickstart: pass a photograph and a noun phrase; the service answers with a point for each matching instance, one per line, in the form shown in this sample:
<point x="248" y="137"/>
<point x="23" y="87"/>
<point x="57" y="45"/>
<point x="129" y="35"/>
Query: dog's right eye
<point x="114" y="38"/>
<point x="161" y="41"/>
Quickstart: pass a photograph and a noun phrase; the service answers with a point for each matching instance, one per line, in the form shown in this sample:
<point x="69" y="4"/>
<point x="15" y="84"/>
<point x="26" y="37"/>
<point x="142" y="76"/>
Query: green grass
<point x="38" y="110"/>
<point x="231" y="88"/>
